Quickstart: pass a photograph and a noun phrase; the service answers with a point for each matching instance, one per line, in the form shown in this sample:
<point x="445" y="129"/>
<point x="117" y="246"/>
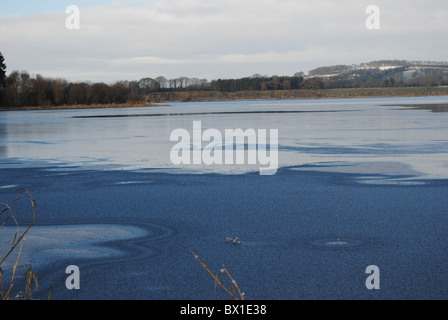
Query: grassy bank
<point x="295" y="94"/>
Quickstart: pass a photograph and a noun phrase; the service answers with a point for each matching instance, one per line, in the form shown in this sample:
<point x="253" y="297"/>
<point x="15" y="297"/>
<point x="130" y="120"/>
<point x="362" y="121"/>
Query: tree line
<point x="23" y="90"/>
<point x="258" y="83"/>
<point x="19" y="88"/>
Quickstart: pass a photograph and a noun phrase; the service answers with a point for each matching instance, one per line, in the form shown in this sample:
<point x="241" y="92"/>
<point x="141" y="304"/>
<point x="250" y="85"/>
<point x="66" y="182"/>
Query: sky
<point x="212" y="39"/>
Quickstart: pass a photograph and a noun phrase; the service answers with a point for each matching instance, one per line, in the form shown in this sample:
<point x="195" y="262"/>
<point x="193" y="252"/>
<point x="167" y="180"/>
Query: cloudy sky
<point x="132" y="39"/>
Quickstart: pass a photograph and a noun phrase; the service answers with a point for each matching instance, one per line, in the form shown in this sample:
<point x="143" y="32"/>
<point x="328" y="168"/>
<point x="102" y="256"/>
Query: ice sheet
<point x="355" y="132"/>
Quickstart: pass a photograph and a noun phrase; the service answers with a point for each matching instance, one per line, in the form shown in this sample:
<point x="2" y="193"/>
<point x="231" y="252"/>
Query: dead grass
<point x="233" y="290"/>
<point x="8" y="217"/>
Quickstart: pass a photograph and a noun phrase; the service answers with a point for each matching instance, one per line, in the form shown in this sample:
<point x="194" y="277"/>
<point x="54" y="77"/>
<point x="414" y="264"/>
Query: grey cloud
<point x="211" y="39"/>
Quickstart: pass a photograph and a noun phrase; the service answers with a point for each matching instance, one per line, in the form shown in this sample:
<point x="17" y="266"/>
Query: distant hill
<point x="384" y="73"/>
<point x="388" y="77"/>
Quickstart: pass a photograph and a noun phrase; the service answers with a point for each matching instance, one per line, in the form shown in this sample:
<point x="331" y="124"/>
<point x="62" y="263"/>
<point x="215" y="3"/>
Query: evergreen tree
<point x="2" y="77"/>
<point x="2" y="71"/>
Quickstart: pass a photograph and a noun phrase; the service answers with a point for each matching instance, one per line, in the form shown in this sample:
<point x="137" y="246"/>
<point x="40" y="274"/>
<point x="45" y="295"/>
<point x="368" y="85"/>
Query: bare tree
<point x="77" y="93"/>
<point x="163" y="82"/>
<point x="173" y="83"/>
<point x="275" y="82"/>
<point x="119" y="92"/>
<point x="286" y="84"/>
<point x="12" y="91"/>
<point x="148" y="85"/>
<point x="59" y="88"/>
<point x="42" y="90"/>
<point x="99" y="93"/>
<point x="183" y="82"/>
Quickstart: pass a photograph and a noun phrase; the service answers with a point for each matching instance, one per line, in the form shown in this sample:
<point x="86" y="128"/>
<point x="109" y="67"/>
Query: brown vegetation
<point x="7" y="216"/>
<point x="233" y="290"/>
<point x="193" y="96"/>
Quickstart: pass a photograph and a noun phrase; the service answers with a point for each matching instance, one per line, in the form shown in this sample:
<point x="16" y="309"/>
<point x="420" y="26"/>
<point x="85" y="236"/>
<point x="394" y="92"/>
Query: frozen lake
<point x="372" y="135"/>
<point x="361" y="182"/>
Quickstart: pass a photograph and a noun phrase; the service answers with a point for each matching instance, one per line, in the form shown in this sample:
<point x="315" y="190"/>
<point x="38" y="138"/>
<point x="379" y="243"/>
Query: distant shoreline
<point x="83" y="106"/>
<point x="163" y="98"/>
<point x="207" y="96"/>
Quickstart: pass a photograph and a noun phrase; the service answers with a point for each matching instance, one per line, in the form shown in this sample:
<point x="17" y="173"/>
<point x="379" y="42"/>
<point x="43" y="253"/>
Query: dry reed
<point x="31" y="283"/>
<point x="219" y="278"/>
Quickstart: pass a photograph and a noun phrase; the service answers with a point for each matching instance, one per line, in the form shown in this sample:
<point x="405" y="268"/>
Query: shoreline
<point x="94" y="106"/>
<point x="160" y="99"/>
